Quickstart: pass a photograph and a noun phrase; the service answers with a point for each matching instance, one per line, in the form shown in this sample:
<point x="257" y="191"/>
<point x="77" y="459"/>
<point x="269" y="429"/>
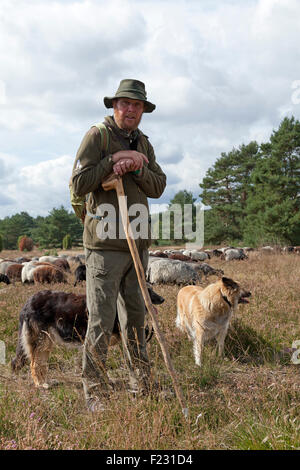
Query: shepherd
<point x="111" y="279"/>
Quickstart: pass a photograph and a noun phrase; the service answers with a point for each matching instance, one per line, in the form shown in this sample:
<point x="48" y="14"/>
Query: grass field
<point x="247" y="400"/>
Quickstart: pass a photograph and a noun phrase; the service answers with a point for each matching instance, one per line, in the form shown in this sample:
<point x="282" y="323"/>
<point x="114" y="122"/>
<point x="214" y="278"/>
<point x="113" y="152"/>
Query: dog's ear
<point x="229" y="283"/>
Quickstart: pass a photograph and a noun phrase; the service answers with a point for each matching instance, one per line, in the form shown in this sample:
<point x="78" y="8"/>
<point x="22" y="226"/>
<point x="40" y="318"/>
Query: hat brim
<point x="148" y="107"/>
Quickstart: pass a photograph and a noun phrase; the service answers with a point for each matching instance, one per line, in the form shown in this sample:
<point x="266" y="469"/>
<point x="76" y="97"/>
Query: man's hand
<point x="128" y="160"/>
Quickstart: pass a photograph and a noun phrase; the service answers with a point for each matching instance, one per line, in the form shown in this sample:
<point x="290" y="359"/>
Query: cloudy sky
<point x="221" y="72"/>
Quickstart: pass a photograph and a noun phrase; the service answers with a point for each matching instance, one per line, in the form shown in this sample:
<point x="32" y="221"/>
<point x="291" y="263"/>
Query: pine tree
<point x="182" y="199"/>
<point x="12" y="227"/>
<point x="274" y="201"/>
<point x="226" y="187"/>
<point x="51" y="230"/>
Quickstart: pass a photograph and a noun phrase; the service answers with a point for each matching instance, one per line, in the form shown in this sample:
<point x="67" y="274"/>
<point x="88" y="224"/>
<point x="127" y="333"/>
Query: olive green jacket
<point x="93" y="167"/>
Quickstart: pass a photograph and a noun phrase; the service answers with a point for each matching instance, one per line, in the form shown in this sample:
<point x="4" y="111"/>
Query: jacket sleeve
<point x="151" y="179"/>
<point x="90" y="169"/>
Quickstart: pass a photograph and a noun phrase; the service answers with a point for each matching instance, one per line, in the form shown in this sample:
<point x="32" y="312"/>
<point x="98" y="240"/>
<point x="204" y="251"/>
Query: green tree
<point x="274" y="201"/>
<point x="225" y="190"/>
<point x="181" y="200"/>
<point x="12" y="227"/>
<point x="51" y="230"/>
<point x="67" y="242"/>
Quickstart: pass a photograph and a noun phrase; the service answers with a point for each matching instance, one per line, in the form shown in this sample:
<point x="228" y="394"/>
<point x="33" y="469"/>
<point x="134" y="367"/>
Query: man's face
<point x="128" y="113"/>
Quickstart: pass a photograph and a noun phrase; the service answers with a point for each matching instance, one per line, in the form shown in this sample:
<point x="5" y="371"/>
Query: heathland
<point x="249" y="399"/>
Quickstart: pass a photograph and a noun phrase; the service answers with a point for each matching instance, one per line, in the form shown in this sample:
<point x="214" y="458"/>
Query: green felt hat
<point x="133" y="89"/>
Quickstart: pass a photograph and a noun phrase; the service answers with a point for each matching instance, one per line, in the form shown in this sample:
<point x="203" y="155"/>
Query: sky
<point x="221" y="73"/>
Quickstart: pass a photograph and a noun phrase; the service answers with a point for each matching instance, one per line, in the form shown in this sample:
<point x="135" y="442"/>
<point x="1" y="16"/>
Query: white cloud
<point x="220" y="73"/>
<point x="36" y="189"/>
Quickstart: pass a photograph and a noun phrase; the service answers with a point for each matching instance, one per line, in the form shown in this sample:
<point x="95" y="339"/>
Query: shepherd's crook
<point x="115" y="182"/>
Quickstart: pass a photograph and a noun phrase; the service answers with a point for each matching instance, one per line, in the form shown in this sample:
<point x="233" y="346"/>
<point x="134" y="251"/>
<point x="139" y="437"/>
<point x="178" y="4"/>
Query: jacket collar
<point x="110" y="122"/>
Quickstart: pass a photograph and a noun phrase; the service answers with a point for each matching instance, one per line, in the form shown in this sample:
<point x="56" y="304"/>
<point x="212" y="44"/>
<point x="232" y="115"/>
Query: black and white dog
<point x="55" y="317"/>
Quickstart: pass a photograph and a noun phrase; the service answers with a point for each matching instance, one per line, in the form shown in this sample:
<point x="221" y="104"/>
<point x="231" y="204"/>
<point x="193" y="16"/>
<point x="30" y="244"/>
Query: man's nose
<point x="131" y="107"/>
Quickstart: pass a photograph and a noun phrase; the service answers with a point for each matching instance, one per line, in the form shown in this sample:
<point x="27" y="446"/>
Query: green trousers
<point x="111" y="285"/>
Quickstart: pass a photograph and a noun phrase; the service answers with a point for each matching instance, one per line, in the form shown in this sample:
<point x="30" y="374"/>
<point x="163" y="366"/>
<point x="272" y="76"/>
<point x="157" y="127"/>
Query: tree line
<point x="46" y="232"/>
<point x="251" y="194"/>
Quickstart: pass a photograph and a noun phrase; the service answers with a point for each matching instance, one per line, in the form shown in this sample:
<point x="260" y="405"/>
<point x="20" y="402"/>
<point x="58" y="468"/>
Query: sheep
<point x="80" y="274"/>
<point x="22" y="259"/>
<point x="28" y="270"/>
<point x="48" y="259"/>
<point x="207" y="270"/>
<point x="217" y="253"/>
<point x="62" y="264"/>
<point x="288" y="249"/>
<point x="179" y="257"/>
<point x="159" y="254"/>
<point x="73" y="259"/>
<point x="267" y="249"/>
<point x="167" y="271"/>
<point x="235" y="253"/>
<point x="14" y="271"/>
<point x="195" y="255"/>
<point x="4" y="278"/>
<point x="43" y="274"/>
<point x="199" y="255"/>
<point x="4" y="265"/>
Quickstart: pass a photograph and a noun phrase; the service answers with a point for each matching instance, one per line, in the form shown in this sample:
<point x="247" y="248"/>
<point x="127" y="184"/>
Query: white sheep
<point x="235" y="253"/>
<point x="4" y="265"/>
<point x="167" y="271"/>
<point x="27" y="271"/>
<point x="48" y="259"/>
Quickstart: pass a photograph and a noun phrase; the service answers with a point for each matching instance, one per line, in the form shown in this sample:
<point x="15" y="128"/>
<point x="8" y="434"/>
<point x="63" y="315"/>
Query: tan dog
<point x="206" y="313"/>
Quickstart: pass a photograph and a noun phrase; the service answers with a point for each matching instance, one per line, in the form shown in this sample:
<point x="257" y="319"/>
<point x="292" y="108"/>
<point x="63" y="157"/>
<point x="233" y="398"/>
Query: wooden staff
<point x="115" y="182"/>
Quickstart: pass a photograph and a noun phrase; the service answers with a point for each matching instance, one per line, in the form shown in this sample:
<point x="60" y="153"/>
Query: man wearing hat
<point x="111" y="277"/>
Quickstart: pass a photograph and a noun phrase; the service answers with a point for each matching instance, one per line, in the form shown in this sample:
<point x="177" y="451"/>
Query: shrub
<point x="67" y="242"/>
<point x="25" y="243"/>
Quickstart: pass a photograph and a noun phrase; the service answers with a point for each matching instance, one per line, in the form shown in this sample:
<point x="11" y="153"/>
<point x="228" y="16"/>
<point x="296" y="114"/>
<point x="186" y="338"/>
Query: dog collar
<point x="226" y="300"/>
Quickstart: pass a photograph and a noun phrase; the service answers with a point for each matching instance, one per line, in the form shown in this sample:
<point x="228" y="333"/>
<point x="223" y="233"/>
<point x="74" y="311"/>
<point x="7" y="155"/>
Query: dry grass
<point x="247" y="400"/>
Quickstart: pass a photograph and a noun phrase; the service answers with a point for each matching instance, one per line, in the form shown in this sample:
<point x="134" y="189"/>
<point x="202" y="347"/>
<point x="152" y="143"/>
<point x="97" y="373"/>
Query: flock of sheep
<point x="45" y="269"/>
<point x="164" y="267"/>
